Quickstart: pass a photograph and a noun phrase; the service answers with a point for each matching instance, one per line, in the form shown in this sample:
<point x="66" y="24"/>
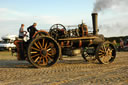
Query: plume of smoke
<point x="101" y="5"/>
<point x="116" y="25"/>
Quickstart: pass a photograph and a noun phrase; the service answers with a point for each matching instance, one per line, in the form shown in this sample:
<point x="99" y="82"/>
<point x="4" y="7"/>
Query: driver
<point x="32" y="29"/>
<point x="21" y="31"/>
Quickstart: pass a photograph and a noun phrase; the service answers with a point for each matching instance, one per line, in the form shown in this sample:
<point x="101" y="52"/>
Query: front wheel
<point x="43" y="51"/>
<point x="106" y="53"/>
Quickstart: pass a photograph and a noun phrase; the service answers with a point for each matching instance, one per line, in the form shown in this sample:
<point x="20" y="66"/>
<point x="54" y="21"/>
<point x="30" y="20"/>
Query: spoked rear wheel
<point x="43" y="51"/>
<point x="106" y="53"/>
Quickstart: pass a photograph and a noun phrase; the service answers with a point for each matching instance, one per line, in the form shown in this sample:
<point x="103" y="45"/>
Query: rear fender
<point x="40" y="33"/>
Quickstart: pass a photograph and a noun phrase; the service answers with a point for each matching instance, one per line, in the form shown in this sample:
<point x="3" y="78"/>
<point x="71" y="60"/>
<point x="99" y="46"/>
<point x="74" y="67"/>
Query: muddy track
<point x="70" y="71"/>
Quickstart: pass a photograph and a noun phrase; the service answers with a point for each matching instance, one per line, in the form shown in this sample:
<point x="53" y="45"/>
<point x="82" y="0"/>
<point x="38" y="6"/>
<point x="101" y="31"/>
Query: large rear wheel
<point x="43" y="51"/>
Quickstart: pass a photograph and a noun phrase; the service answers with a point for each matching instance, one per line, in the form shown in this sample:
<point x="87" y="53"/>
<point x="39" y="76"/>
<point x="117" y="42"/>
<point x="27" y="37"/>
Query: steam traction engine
<point x="47" y="47"/>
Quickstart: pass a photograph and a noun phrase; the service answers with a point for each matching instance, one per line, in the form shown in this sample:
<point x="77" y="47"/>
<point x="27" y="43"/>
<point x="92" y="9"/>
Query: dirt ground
<point x="70" y="71"/>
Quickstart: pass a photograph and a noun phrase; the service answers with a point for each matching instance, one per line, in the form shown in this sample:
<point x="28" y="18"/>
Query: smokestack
<point x="95" y="23"/>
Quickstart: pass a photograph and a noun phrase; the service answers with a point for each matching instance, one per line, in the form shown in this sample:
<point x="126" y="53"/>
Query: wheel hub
<point x="43" y="52"/>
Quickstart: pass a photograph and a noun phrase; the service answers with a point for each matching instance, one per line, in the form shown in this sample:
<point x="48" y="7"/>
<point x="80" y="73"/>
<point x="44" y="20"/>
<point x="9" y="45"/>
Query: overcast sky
<point x="113" y="14"/>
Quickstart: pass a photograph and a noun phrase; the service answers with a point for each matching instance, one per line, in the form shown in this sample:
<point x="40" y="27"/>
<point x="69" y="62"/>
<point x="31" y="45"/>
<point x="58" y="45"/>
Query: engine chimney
<point x="95" y="23"/>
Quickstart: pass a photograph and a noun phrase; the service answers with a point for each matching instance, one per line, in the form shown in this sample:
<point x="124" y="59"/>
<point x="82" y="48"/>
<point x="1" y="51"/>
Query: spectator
<point x="32" y="29"/>
<point x="115" y="44"/>
<point x="121" y="43"/>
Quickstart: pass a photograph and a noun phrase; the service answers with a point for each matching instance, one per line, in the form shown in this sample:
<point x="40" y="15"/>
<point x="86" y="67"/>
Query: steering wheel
<point x="55" y="29"/>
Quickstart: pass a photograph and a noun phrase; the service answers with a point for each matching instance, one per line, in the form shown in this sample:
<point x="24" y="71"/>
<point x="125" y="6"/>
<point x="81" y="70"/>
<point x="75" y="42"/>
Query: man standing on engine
<point x="32" y="29"/>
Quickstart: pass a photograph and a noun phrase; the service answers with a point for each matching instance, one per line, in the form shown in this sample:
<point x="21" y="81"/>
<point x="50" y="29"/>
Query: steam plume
<point x="101" y="5"/>
<point x="117" y="24"/>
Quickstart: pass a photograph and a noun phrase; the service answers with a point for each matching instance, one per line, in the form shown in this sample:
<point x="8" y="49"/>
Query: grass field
<point x="5" y="55"/>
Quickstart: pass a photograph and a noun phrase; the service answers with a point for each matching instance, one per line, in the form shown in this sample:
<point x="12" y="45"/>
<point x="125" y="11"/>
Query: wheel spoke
<point x="48" y="49"/>
<point x="39" y="44"/>
<point x="46" y="59"/>
<point x="104" y="48"/>
<point x="35" y="55"/>
<point x="49" y="54"/>
<point x="35" y="49"/>
<point x="50" y="45"/>
<point x="104" y="58"/>
<point x="101" y="56"/>
<point x="107" y="58"/>
<point x="102" y="51"/>
<point x="111" y="50"/>
<point x="43" y="43"/>
<point x="37" y="59"/>
<point x="44" y="62"/>
<point x="50" y="58"/>
<point x="107" y="47"/>
<point x="46" y="45"/>
<point x="36" y="45"/>
<point x="33" y="52"/>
